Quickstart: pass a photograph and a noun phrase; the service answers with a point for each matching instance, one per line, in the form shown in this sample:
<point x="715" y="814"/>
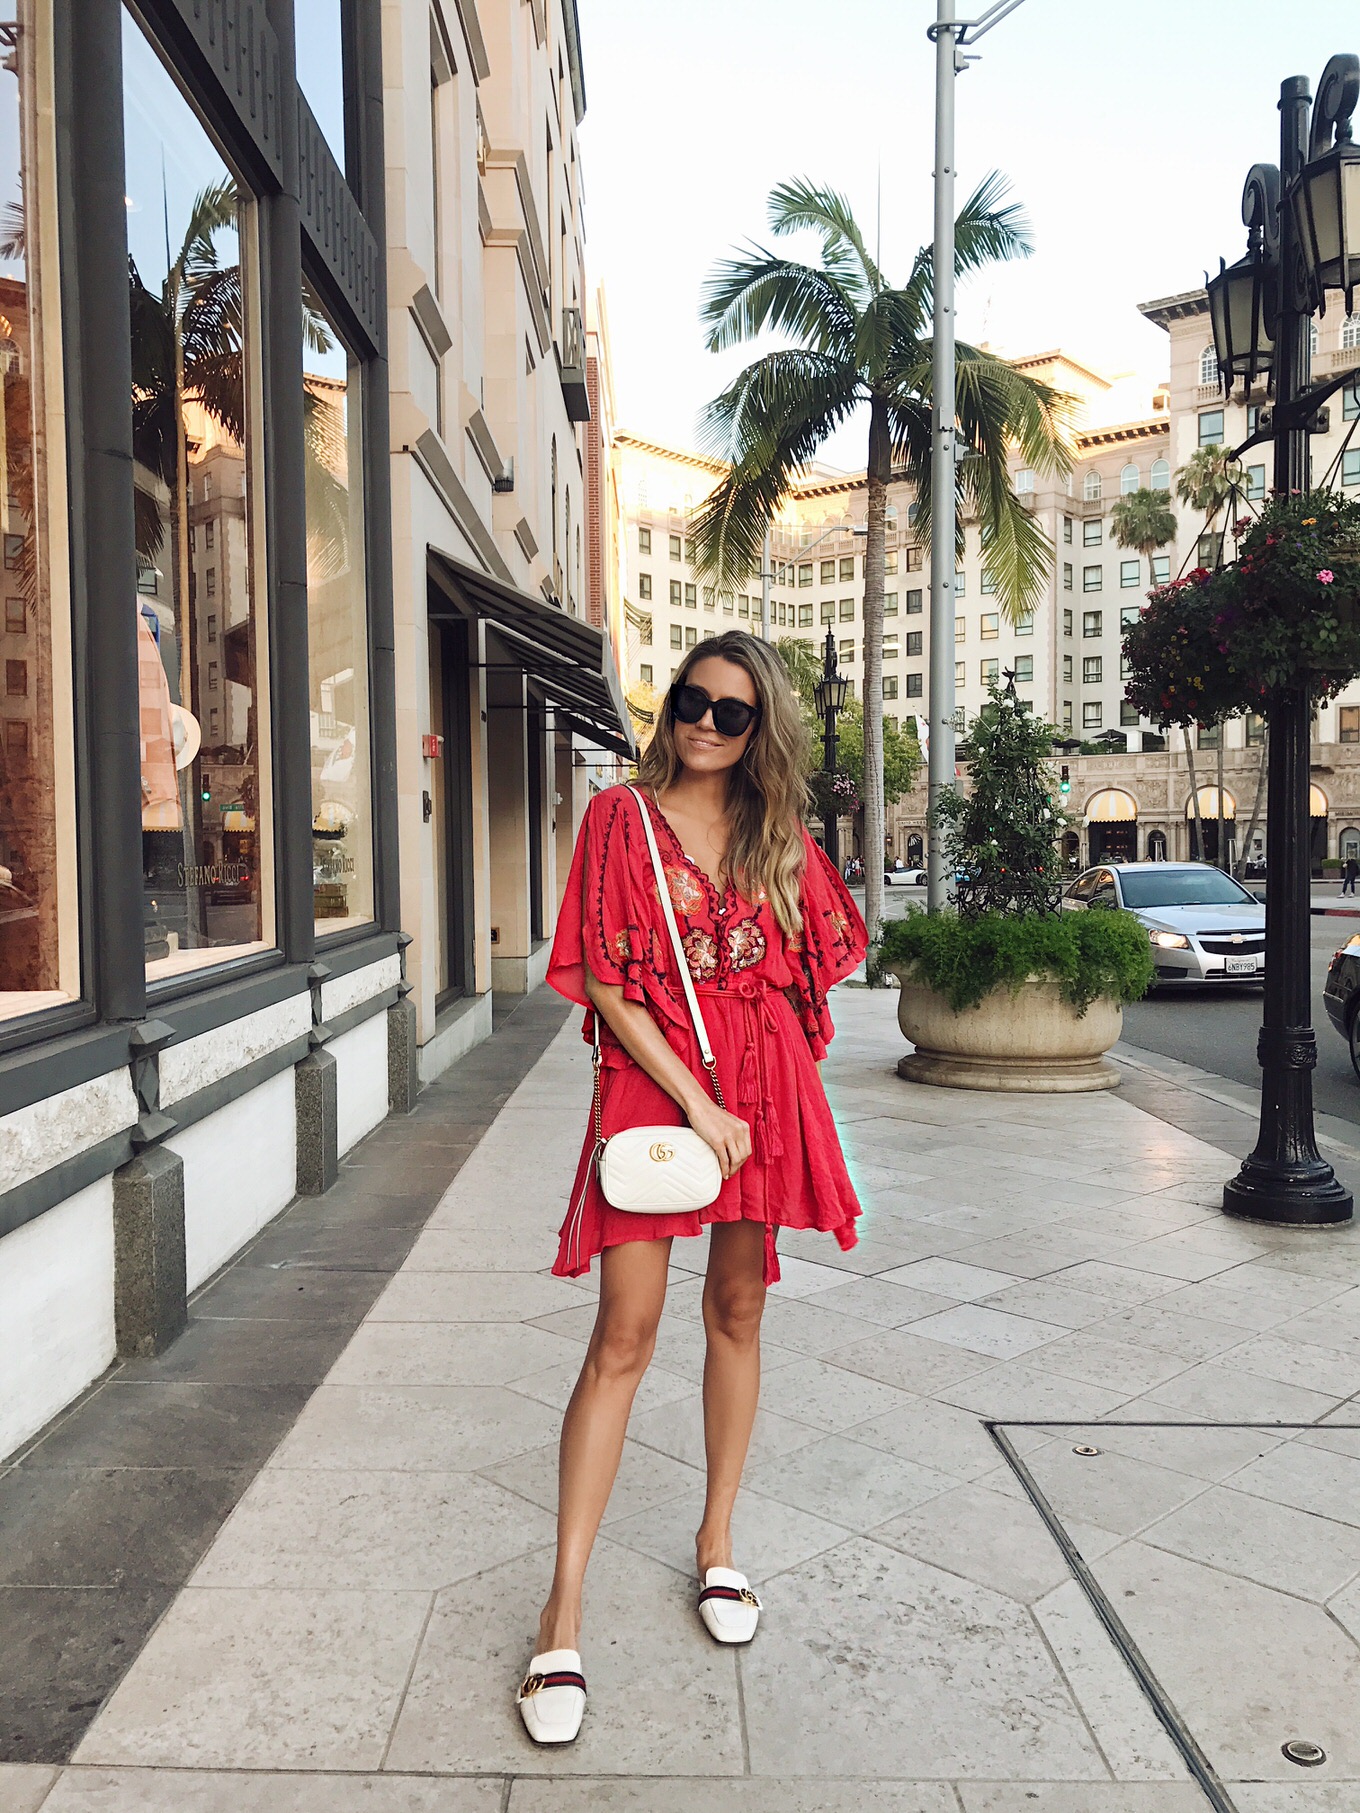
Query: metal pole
<point x="1285" y="1179"/>
<point x="765" y="588"/>
<point x="831" y="829"/>
<point x="940" y="769"/>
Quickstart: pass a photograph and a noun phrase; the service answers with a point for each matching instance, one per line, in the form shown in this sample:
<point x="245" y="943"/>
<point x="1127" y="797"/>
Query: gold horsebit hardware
<point x="661" y="1153"/>
<point x="530" y="1686"/>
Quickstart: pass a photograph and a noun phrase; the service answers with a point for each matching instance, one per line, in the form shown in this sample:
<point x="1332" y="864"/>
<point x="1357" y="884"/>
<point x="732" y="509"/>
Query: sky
<point x="1126" y="130"/>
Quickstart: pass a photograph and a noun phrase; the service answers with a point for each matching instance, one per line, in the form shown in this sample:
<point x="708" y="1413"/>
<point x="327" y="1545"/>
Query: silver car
<point x="1203" y="925"/>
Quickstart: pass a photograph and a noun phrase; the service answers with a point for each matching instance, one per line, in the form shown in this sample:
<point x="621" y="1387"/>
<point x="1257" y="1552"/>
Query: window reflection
<point x="39" y="949"/>
<point x="200" y="629"/>
<point x="337" y="628"/>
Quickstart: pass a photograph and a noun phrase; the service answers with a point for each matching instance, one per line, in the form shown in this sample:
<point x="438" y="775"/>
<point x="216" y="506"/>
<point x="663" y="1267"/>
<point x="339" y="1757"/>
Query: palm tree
<point x="1209" y="480"/>
<point x="1144" y="521"/>
<point x="859" y="345"/>
<point x="804" y="665"/>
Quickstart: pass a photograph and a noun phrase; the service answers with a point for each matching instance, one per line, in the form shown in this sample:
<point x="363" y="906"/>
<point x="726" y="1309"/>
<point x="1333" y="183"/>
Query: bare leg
<point x="632" y="1293"/>
<point x="734" y="1300"/>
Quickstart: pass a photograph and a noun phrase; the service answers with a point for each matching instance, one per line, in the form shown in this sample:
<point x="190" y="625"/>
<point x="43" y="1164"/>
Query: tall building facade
<point x="302" y="696"/>
<point x="1133" y="797"/>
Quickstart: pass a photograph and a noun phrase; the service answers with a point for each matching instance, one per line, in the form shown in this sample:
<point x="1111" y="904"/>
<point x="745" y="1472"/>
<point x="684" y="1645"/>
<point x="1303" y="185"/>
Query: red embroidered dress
<point x="741" y="964"/>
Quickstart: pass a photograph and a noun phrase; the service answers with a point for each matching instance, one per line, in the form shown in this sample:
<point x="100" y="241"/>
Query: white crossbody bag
<point x="660" y="1170"/>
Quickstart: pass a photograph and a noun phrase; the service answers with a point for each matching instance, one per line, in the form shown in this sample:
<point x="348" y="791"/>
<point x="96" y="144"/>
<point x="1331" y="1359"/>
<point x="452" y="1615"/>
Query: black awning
<point x="570" y="660"/>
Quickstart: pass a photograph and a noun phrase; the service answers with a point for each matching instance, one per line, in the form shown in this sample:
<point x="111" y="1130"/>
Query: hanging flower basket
<point x="833" y="792"/>
<point x="1285" y="612"/>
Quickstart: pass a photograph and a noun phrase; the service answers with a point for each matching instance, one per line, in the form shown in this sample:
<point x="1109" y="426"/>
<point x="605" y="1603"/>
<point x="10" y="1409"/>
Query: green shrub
<point x="1091" y="953"/>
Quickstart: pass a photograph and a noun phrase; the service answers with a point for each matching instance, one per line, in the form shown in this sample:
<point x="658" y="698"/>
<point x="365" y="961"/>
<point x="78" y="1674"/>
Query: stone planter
<point x="1030" y="1040"/>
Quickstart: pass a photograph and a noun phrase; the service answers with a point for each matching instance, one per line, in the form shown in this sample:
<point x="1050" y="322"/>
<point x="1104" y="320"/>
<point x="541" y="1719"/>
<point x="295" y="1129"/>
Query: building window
<point x="191" y="231"/>
<point x="991" y="626"/>
<point x="1207" y="550"/>
<point x="958" y="673"/>
<point x="828" y="610"/>
<point x="912" y="560"/>
<point x="1350" y="402"/>
<point x="16" y="679"/>
<point x="890" y="561"/>
<point x="890" y="604"/>
<point x="1129" y="615"/>
<point x="914" y="641"/>
<point x="691" y="597"/>
<point x="691" y="635"/>
<point x="1256" y="727"/>
<point x="890" y="686"/>
<point x="913" y="686"/>
<point x="1092" y="715"/>
<point x="743" y="605"/>
<point x="1092" y="625"/>
<point x="1092" y="670"/>
<point x="677" y="637"/>
<point x="147" y="575"/>
<point x="828" y="572"/>
<point x="1350" y="466"/>
<point x="16" y="617"/>
<point x="1207" y="736"/>
<point x="1024" y="624"/>
<point x="1090" y="488"/>
<point x="1128" y="480"/>
<point x="710" y="599"/>
<point x="1256" y="483"/>
<point x="1067" y="670"/>
<point x="1349" y="716"/>
<point x="847" y="566"/>
<point x="1208" y="366"/>
<point x="1159" y="478"/>
<point x="1067" y="714"/>
<point x="1129" y="574"/>
<point x="1092" y="579"/>
<point x="675" y="547"/>
<point x="847" y="610"/>
<point x="212" y="627"/>
<point x="1024" y="482"/>
<point x="1067" y="623"/>
<point x="644" y="586"/>
<point x="1211" y="428"/>
<point x="727" y="603"/>
<point x="689" y="551"/>
<point x="805" y="616"/>
<point x="644" y="541"/>
<point x="1067" y="575"/>
<point x="645" y="673"/>
<point x="1024" y="670"/>
<point x="914" y="604"/>
<point x="1350" y="333"/>
<point x="890" y="648"/>
<point x="1128" y="714"/>
<point x="988" y="582"/>
<point x="805" y="573"/>
<point x="960" y="584"/>
<point x="989" y="670"/>
<point x="1125" y="666"/>
<point x="1161" y="568"/>
<point x="209" y="535"/>
<point x="675" y="594"/>
<point x="1092" y="532"/>
<point x="960" y="629"/>
<point x="1067" y="529"/>
<point x="846" y="652"/>
<point x="644" y="629"/>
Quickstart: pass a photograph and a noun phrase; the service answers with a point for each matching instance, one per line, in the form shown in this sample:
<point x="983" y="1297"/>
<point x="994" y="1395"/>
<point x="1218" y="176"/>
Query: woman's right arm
<point x="642" y="1039"/>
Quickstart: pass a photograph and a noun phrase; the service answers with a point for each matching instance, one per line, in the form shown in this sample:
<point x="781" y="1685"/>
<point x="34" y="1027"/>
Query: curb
<point x="1335" y="912"/>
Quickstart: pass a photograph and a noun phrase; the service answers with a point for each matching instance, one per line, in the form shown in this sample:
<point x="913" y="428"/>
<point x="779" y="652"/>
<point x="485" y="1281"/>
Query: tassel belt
<point x="759" y="1023"/>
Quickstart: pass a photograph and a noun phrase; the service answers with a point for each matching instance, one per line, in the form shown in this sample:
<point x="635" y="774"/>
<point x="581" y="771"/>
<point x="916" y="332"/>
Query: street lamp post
<point x="830" y="696"/>
<point x="1261" y="310"/>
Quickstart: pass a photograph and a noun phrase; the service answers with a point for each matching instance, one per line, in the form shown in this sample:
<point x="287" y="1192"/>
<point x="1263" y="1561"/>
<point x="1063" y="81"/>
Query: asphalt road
<point x="1216" y="1029"/>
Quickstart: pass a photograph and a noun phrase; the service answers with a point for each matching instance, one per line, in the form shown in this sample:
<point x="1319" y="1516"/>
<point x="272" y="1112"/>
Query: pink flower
<point x="1326" y="576"/>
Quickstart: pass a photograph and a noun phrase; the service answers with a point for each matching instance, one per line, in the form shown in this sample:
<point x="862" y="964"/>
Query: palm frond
<point x="985" y="232"/>
<point x="759" y="292"/>
<point x="801" y="206"/>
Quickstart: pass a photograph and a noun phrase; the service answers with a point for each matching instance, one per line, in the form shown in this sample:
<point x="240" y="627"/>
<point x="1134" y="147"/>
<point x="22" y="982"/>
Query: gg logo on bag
<point x="661" y="1153"/>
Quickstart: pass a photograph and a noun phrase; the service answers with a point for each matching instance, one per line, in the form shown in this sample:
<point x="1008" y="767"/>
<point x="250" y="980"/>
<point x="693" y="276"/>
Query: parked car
<point x="1203" y="925"/>
<point x="1341" y="995"/>
<point x="904" y="878"/>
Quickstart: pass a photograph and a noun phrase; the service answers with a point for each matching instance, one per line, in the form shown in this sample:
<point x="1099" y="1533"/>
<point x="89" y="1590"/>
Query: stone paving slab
<point x="369" y="1605"/>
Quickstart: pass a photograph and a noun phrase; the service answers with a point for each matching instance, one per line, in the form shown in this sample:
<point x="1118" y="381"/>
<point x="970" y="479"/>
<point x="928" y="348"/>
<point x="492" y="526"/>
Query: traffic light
<point x="1064" y="781"/>
<point x="205" y="791"/>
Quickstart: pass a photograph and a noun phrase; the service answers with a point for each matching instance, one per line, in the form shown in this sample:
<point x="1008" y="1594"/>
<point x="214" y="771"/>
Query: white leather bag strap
<point x="663" y="889"/>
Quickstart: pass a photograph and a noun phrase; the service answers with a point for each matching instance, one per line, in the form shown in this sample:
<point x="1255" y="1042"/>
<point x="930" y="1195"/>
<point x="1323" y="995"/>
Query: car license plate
<point x="1240" y="966"/>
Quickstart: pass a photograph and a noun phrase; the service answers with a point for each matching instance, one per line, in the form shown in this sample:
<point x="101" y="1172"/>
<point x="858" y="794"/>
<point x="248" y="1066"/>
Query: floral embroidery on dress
<point x="622" y="946"/>
<point x="745" y="944"/>
<point x="701" y="954"/>
<point x="686" y="894"/>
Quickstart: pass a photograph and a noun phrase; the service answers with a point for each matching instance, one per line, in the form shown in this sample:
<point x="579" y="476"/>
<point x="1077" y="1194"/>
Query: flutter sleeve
<point x="833" y="944"/>
<point x="609" y="914"/>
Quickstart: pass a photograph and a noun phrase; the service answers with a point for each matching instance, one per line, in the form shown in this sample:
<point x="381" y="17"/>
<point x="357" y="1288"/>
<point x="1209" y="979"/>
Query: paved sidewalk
<point x="1175" y="1391"/>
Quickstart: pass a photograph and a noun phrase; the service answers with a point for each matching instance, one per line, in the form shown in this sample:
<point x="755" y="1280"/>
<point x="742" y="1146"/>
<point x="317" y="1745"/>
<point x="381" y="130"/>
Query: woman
<point x="766" y="927"/>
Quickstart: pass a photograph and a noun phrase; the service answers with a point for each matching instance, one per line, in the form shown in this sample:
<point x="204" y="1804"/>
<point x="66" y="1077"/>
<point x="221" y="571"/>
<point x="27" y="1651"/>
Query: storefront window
<point x="39" y="934"/>
<point x="198" y="593"/>
<point x="337" y="628"/>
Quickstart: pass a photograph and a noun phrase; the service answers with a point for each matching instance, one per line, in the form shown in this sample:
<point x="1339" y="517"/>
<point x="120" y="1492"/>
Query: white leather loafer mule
<point x="728" y="1607"/>
<point x="552" y="1697"/>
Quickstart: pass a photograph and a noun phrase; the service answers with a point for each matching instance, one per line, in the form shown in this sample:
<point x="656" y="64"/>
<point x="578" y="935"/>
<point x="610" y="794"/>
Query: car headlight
<point x="1170" y="941"/>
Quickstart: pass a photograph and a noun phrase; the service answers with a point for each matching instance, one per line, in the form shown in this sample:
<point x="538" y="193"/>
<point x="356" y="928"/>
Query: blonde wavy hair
<point x="767" y="788"/>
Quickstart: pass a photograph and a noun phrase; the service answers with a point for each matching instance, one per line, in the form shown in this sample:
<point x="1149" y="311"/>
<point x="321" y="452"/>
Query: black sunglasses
<point x="731" y="717"/>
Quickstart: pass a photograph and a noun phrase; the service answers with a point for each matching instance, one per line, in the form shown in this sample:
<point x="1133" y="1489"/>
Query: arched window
<point x="1128" y="480"/>
<point x="1090" y="488"/>
<point x="1161" y="475"/>
<point x="1350" y="333"/>
<point x="1208" y="366"/>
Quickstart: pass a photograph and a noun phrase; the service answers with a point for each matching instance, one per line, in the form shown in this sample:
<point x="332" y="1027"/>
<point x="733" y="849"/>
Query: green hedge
<point x="1090" y="953"/>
